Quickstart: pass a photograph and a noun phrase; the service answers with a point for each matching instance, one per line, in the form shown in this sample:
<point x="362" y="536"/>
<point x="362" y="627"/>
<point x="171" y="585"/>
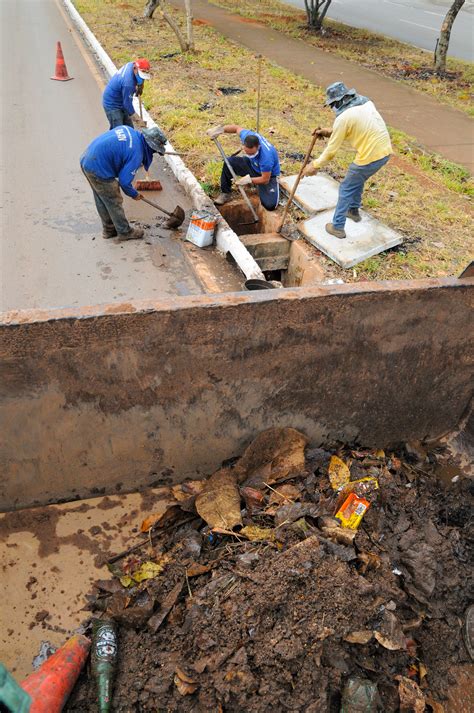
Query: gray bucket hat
<point x="155" y="139"/>
<point x="337" y="91"/>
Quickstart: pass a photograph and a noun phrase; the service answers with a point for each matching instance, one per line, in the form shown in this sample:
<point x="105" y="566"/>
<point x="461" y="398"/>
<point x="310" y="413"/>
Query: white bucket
<point x="201" y="228"/>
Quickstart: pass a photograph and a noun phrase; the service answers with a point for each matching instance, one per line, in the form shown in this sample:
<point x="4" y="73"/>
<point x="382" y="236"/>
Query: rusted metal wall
<point x="116" y="398"/>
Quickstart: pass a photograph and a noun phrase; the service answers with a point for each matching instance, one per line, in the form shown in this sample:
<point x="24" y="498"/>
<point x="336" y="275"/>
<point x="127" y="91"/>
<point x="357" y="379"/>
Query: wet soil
<point x="273" y="624"/>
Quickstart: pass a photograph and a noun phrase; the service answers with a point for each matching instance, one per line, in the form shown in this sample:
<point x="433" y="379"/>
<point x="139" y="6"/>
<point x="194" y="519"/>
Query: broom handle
<point x="298" y="178"/>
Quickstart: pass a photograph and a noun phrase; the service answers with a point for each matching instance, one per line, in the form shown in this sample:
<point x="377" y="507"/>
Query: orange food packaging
<point x="352" y="511"/>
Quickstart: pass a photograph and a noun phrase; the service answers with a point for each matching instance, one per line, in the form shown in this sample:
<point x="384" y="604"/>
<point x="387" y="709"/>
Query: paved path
<point x="437" y="127"/>
<point x="417" y="22"/>
<point x="52" y="253"/>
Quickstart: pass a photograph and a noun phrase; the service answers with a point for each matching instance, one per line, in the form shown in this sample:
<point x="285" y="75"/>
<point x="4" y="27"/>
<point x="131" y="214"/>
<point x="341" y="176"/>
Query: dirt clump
<point x="289" y="610"/>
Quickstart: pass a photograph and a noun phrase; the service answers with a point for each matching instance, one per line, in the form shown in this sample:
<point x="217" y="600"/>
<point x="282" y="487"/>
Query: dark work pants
<point x="269" y="193"/>
<point x="118" y="117"/>
<point x="109" y="204"/>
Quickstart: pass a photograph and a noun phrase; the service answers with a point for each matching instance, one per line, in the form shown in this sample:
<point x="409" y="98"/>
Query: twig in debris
<point x="156" y="620"/>
<point x="187" y="584"/>
<point x="284" y="497"/>
<point x="376" y="544"/>
<point x="134" y="548"/>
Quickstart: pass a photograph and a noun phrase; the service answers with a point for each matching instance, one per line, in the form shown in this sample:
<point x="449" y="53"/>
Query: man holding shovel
<point x="358" y="121"/>
<point x="110" y="164"/>
<point x="117" y="99"/>
<point x="259" y="166"/>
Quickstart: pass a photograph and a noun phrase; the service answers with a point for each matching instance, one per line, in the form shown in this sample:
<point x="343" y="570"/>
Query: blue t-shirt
<point x="118" y="153"/>
<point x="119" y="91"/>
<point x="267" y="157"/>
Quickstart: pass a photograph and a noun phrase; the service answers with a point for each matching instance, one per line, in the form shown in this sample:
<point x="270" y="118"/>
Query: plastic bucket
<point x="201" y="228"/>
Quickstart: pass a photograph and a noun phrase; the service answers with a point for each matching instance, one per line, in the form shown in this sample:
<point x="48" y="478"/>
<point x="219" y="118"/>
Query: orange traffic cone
<point x="50" y="686"/>
<point x="61" y="71"/>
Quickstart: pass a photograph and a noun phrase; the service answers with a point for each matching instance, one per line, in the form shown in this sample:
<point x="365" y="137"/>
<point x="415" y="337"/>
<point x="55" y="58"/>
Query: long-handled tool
<point x="175" y="218"/>
<point x="241" y="188"/>
<point x="298" y="179"/>
<point x="259" y="81"/>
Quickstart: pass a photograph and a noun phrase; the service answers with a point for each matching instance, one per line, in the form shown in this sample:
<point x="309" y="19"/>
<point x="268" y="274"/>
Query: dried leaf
<point x="369" y="560"/>
<point x="359" y="637"/>
<point x="273" y="455"/>
<point x="284" y="493"/>
<point x="183" y="491"/>
<point x="339" y="473"/>
<point x="195" y="569"/>
<point x="219" y="502"/>
<point x="184" y="683"/>
<point x="161" y="518"/>
<point x="148" y="570"/>
<point x="412" y="699"/>
<point x="435" y="705"/>
<point x="255" y="534"/>
<point x="390" y="634"/>
<point x="253" y="498"/>
<point x="155" y="621"/>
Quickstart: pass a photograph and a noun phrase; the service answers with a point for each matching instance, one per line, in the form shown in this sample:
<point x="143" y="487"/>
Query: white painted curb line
<point x="226" y="239"/>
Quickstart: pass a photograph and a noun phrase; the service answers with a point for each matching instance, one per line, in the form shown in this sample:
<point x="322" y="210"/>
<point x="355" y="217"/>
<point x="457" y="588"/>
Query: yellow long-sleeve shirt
<point x="366" y="131"/>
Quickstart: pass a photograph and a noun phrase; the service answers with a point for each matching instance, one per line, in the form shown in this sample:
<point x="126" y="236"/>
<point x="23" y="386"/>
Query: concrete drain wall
<point x="291" y="262"/>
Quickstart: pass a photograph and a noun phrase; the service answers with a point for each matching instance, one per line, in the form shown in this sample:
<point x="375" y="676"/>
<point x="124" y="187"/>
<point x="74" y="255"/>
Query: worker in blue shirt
<point x="110" y="164"/>
<point x="117" y="99"/>
<point x="260" y="166"/>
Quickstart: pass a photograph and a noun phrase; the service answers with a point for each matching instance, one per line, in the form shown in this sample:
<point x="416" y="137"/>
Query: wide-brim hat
<point x="155" y="139"/>
<point x="337" y="91"/>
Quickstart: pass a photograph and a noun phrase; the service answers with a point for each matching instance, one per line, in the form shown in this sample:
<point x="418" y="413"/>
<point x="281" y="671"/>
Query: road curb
<point x="226" y="240"/>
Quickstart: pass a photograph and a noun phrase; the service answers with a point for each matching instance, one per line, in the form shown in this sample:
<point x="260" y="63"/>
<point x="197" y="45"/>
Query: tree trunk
<point x="316" y="12"/>
<point x="150" y="8"/>
<point x="189" y="25"/>
<point x="442" y="44"/>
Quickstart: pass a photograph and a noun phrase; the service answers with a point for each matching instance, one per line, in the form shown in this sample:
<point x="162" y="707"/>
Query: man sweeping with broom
<point x="110" y="164"/>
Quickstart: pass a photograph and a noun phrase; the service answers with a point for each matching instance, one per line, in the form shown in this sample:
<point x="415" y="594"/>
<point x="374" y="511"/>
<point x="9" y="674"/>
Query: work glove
<point x="244" y="181"/>
<point x="323" y="133"/>
<point x="137" y="197"/>
<point x="215" y="131"/>
<point x="310" y="170"/>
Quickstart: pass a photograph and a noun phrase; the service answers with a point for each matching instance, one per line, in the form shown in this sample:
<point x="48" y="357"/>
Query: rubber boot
<point x="335" y="231"/>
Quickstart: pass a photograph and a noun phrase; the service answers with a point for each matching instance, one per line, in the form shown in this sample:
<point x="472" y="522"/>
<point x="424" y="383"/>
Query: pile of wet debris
<point x="324" y="579"/>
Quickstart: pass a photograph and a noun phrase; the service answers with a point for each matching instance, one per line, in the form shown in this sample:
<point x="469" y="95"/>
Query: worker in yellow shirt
<point x="358" y="121"/>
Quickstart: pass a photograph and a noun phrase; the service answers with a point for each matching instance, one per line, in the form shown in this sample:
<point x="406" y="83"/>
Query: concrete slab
<point x="49" y="558"/>
<point x="314" y="193"/>
<point x="364" y="239"/>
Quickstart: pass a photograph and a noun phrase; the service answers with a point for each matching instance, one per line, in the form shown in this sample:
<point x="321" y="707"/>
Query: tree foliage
<point x="316" y="12"/>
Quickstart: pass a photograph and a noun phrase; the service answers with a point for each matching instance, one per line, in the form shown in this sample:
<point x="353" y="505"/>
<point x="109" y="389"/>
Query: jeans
<point x="118" y="117"/>
<point x="269" y="193"/>
<point x="351" y="189"/>
<point x="109" y="204"/>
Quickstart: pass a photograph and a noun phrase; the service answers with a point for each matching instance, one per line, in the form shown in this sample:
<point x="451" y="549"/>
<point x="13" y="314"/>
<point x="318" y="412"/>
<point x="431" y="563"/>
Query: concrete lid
<point x="364" y="239"/>
<point x="314" y="193"/>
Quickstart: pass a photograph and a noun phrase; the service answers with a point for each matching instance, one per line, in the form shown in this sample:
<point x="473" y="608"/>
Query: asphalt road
<point x="52" y="252"/>
<point x="417" y="22"/>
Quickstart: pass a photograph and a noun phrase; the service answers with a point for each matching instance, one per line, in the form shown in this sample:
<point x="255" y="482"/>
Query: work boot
<point x="134" y="234"/>
<point x="223" y="198"/>
<point x="109" y="233"/>
<point x="335" y="231"/>
<point x="353" y="214"/>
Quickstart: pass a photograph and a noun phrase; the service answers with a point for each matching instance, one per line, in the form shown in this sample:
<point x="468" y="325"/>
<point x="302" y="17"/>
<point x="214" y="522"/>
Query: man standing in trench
<point x="358" y="121"/>
<point x="117" y="99"/>
<point x="110" y="164"/>
<point x="260" y="166"/>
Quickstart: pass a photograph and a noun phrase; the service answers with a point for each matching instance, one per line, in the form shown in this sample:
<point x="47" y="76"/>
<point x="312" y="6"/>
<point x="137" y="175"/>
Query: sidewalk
<point x="438" y="128"/>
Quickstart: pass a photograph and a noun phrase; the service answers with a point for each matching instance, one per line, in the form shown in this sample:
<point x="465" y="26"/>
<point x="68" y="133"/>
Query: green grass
<point x="422" y="196"/>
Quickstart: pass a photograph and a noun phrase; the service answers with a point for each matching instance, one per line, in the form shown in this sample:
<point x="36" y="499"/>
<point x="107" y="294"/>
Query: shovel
<point x="241" y="189"/>
<point x="298" y="179"/>
<point x="175" y="218"/>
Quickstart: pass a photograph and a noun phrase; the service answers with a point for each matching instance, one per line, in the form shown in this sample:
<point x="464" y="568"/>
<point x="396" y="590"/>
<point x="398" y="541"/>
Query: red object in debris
<point x="50" y="686"/>
<point x="61" y="71"/>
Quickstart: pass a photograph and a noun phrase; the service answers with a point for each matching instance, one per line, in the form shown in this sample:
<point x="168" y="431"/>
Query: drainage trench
<point x="291" y="262"/>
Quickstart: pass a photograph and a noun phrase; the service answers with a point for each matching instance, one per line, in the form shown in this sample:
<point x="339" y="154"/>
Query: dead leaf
<point x="369" y="560"/>
<point x="219" y="502"/>
<point x="161" y="519"/>
<point x="339" y="473"/>
<point x="155" y="621"/>
<point x="390" y="634"/>
<point x="148" y="570"/>
<point x="253" y="498"/>
<point x="195" y="569"/>
<point x="275" y="454"/>
<point x="183" y="491"/>
<point x="184" y="683"/>
<point x="284" y="493"/>
<point x="359" y="637"/>
<point x="412" y="699"/>
<point x="435" y="705"/>
<point x="255" y="534"/>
